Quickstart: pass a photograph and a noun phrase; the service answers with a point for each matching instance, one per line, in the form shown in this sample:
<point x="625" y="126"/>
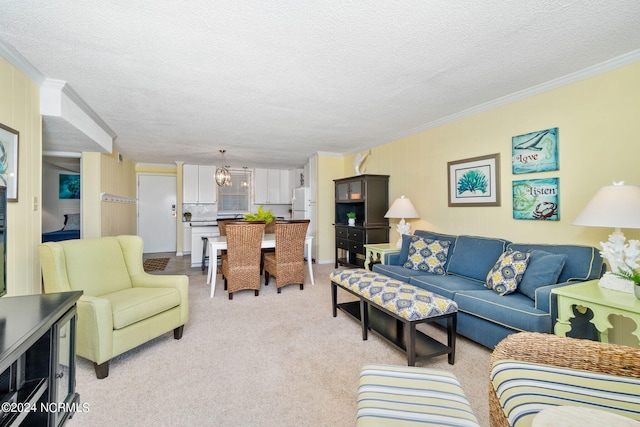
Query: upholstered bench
<point x="393" y="309"/>
<point x="398" y="395"/>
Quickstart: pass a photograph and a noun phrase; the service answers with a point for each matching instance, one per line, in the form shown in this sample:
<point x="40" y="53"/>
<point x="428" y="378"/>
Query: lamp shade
<point x="402" y="208"/>
<point x="615" y="206"/>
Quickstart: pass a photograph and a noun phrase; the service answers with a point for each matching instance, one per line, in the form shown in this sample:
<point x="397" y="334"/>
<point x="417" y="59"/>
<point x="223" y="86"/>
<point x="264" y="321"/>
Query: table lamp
<point x="402" y="208"/>
<point x="616" y="206"/>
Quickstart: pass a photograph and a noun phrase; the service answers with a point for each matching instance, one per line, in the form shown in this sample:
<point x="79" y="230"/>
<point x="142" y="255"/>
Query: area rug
<point x="155" y="264"/>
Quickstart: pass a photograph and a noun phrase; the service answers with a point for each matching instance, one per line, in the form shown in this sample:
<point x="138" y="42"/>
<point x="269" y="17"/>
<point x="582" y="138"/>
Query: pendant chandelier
<point x="222" y="175"/>
<point x="245" y="181"/>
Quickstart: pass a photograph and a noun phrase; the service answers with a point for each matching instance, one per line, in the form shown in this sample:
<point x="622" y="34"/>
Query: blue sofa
<point x="485" y="316"/>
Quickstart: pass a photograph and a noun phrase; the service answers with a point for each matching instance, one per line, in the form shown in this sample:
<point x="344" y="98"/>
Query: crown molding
<point x="603" y="67"/>
<point x="20" y="62"/>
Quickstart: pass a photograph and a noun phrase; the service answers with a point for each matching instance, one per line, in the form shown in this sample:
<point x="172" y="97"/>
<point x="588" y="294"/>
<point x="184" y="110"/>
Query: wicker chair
<point x="561" y="352"/>
<point x="286" y="264"/>
<point x="241" y="264"/>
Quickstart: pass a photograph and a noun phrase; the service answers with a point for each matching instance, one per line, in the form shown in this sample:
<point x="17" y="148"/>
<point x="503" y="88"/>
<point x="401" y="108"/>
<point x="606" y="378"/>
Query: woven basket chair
<point x="562" y="352"/>
<point x="286" y="264"/>
<point x="241" y="264"/>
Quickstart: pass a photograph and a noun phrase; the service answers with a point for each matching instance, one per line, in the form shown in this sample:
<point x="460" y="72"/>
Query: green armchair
<point x="121" y="306"/>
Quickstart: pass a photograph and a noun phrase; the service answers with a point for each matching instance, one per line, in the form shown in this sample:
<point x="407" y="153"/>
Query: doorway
<point x="157" y="212"/>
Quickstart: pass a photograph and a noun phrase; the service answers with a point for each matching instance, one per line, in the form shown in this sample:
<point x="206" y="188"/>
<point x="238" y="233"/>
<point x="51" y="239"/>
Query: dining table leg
<point x="309" y="260"/>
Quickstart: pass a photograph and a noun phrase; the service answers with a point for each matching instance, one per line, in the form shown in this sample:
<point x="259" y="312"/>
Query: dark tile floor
<point x="177" y="264"/>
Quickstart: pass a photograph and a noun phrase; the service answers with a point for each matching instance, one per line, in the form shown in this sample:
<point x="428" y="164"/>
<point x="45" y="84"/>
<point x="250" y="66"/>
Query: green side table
<point x="375" y="253"/>
<point x="601" y="301"/>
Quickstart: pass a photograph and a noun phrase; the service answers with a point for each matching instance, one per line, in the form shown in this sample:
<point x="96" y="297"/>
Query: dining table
<point x="219" y="243"/>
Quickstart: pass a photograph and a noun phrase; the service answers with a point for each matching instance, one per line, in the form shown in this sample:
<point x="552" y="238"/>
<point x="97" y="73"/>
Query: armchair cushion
<point x="525" y="388"/>
<point x="135" y="304"/>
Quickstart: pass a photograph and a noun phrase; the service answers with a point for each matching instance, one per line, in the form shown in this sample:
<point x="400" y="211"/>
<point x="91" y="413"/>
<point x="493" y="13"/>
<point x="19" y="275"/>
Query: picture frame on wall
<point x="9" y="139"/>
<point x="535" y="152"/>
<point x="474" y="181"/>
<point x="536" y="199"/>
<point x="69" y="186"/>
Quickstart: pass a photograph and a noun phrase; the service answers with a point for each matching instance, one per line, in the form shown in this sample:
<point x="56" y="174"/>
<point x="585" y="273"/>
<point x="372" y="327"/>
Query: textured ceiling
<point x="275" y="81"/>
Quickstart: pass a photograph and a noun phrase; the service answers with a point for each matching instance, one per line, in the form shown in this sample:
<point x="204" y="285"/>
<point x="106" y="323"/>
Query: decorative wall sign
<point x="9" y="161"/>
<point x="536" y="199"/>
<point x="69" y="187"/>
<point x="475" y="181"/>
<point x="535" y="151"/>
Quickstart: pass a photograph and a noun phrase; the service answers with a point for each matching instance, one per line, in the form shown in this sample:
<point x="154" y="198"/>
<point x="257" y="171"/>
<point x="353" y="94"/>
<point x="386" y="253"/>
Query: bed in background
<point x="70" y="229"/>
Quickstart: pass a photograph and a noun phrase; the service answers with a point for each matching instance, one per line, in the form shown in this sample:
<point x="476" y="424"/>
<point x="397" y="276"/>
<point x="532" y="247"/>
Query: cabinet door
<point x="186" y="238"/>
<point x="274" y="186"/>
<point x="342" y="191"/>
<point x="190" y="184"/>
<point x="63" y="379"/>
<point x="285" y="187"/>
<point x="356" y="190"/>
<point x="207" y="187"/>
<point x="261" y="188"/>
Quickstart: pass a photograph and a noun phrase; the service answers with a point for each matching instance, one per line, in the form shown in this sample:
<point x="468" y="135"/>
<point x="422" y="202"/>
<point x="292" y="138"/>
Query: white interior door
<point x="156" y="212"/>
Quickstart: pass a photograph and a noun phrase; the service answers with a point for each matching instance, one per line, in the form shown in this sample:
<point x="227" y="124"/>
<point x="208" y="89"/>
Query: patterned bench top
<point x="405" y="300"/>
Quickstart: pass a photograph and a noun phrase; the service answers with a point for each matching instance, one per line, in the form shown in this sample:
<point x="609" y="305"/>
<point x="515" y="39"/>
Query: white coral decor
<point x="620" y="256"/>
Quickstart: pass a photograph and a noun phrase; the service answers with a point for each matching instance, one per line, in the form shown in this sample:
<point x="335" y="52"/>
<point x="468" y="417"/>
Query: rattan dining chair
<point x="241" y="264"/>
<point x="286" y="264"/>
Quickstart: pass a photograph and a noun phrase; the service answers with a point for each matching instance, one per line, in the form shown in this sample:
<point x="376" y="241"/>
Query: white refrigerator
<point x="303" y="208"/>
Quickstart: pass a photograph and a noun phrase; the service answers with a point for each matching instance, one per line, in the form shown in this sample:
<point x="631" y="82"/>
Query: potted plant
<point x="352" y="218"/>
<point x="261" y="215"/>
<point x="631" y="274"/>
<point x="187" y="216"/>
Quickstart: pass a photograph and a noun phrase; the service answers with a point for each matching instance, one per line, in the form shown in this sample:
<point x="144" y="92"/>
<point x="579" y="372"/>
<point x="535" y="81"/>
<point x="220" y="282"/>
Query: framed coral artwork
<point x="474" y="181"/>
<point x="9" y="161"/>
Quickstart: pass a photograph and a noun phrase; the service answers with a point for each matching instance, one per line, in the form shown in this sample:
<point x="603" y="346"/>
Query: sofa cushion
<point x="506" y="274"/>
<point x="525" y="388"/>
<point x="447" y="285"/>
<point x="96" y="266"/>
<point x="135" y="304"/>
<point x="473" y="257"/>
<point x="397" y="272"/>
<point x="406" y="240"/>
<point x="543" y="269"/>
<point x="515" y="311"/>
<point x="427" y="255"/>
<point x="582" y="263"/>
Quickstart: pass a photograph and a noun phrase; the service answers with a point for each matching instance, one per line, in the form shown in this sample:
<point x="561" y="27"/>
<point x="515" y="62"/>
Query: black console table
<point x="37" y="359"/>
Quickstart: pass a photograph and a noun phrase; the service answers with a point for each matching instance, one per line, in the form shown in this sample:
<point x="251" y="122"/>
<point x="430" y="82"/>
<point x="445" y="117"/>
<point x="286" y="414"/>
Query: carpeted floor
<point x="270" y="360"/>
<point x="155" y="264"/>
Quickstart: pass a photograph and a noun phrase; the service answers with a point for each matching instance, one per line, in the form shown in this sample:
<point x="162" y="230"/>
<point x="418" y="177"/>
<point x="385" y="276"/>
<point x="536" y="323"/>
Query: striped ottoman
<point x="398" y="396"/>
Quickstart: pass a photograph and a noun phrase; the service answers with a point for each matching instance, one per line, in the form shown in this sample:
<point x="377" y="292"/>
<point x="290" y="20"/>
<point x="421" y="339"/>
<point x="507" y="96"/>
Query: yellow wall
<point x="102" y="173"/>
<point x="329" y="168"/>
<point x="20" y="110"/>
<point x="599" y="142"/>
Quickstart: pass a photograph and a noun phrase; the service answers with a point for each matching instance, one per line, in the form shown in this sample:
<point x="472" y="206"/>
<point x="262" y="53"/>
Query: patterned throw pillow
<point x="427" y="255"/>
<point x="506" y="275"/>
<point x="71" y="222"/>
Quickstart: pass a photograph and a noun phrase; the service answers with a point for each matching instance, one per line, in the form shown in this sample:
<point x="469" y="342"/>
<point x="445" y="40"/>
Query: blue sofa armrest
<point x="392" y="258"/>
<point x="544" y="300"/>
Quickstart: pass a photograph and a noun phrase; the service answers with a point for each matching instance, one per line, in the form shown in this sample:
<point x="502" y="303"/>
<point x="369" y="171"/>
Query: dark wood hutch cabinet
<point x="37" y="359"/>
<point x="368" y="197"/>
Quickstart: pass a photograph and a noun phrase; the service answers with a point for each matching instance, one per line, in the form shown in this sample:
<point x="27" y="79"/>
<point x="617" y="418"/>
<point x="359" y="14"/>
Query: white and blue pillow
<point x="507" y="273"/>
<point x="427" y="255"/>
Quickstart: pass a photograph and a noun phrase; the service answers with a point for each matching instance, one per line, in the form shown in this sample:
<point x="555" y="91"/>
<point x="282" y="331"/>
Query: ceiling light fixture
<point x="245" y="181"/>
<point x="222" y="175"/>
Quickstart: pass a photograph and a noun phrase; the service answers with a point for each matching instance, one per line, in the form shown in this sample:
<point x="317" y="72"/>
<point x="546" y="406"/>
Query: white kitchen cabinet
<point x="207" y="187"/>
<point x="186" y="237"/>
<point x="198" y="184"/>
<point x="272" y="187"/>
<point x="197" y="233"/>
